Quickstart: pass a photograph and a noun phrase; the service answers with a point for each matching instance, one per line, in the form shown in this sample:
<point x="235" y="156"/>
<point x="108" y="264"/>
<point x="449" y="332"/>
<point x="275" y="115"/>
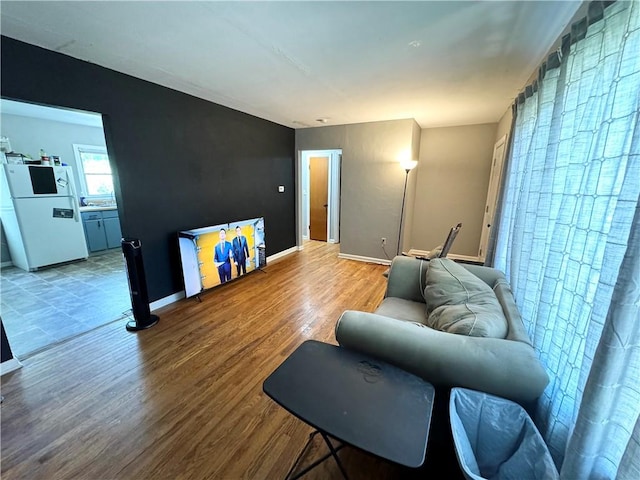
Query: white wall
<point x="28" y="135"/>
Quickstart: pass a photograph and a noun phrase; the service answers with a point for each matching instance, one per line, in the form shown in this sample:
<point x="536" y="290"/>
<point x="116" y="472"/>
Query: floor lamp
<point x="408" y="165"/>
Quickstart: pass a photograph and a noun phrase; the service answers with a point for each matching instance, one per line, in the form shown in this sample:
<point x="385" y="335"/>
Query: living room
<point x="182" y="162"/>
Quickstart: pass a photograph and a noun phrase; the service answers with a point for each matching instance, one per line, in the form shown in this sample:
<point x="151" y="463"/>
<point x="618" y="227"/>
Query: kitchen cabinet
<point x="102" y="229"/>
<point x="112" y="228"/>
<point x="94" y="231"/>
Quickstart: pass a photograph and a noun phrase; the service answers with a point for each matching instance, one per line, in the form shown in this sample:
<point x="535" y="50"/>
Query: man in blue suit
<point x="222" y="257"/>
<point x="240" y="251"/>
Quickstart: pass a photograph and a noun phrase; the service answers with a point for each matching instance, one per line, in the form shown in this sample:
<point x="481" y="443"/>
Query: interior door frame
<point x="333" y="210"/>
<point x="493" y="192"/>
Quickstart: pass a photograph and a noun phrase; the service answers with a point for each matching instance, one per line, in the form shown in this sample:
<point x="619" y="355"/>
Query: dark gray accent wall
<point x="5" y="348"/>
<point x="180" y="162"/>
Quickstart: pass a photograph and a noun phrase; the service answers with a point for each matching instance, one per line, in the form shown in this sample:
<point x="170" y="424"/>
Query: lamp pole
<point x="404" y="196"/>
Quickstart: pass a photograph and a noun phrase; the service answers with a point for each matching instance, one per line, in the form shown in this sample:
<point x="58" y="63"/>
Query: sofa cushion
<point x="459" y="302"/>
<point x="402" y="309"/>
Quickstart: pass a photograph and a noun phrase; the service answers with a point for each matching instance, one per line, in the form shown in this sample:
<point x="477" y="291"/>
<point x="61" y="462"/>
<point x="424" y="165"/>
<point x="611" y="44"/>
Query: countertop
<point x="97" y="208"/>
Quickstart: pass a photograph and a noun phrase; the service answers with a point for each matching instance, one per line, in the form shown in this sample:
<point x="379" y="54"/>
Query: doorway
<point x="320" y="192"/>
<point x="50" y="304"/>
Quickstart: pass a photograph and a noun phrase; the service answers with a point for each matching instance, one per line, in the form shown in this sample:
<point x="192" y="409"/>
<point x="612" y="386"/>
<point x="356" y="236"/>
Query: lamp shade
<point x="409" y="164"/>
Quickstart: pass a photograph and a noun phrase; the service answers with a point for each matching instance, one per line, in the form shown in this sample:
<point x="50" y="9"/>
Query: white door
<point x="51" y="230"/>
<point x="492" y="195"/>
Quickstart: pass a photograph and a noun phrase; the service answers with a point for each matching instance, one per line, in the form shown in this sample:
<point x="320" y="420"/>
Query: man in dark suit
<point x="222" y="257"/>
<point x="240" y="251"/>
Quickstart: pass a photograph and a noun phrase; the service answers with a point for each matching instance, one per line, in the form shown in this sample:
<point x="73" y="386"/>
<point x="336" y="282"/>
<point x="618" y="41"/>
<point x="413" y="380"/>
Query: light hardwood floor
<point x="184" y="399"/>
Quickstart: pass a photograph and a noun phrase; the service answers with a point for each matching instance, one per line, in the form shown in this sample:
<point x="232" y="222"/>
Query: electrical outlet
<point x="384" y="241"/>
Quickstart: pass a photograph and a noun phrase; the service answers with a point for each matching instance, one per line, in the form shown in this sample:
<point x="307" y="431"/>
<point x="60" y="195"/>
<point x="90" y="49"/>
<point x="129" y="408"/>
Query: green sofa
<point x="490" y="351"/>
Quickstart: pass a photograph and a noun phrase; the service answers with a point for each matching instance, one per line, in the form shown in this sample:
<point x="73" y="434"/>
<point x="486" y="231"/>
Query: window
<point x="94" y="170"/>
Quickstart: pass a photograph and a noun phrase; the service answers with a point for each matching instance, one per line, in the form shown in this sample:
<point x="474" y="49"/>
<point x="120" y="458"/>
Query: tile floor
<point x="42" y="308"/>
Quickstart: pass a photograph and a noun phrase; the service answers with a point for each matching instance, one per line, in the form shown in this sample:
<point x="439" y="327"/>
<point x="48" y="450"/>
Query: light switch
<point x="281" y="188"/>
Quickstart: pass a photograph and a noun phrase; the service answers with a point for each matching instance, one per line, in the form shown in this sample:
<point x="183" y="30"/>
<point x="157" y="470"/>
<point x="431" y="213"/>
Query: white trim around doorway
<point x="333" y="210"/>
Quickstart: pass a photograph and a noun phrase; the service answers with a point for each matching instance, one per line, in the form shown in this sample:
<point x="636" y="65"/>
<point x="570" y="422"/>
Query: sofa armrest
<point x="506" y="368"/>
<point x="488" y="275"/>
<point x="407" y="278"/>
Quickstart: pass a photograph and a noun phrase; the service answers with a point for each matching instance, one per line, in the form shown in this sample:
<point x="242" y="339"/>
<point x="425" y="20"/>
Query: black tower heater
<point x="132" y="251"/>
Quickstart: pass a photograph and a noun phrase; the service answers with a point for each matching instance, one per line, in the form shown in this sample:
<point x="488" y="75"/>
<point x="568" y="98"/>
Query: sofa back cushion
<point x="459" y="302"/>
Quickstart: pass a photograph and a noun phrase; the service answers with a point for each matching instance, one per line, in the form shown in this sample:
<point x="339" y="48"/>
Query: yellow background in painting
<point x="207" y="243"/>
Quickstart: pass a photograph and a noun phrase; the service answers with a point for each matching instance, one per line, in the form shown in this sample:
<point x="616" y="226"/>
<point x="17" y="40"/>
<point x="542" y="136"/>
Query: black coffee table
<point x="356" y="399"/>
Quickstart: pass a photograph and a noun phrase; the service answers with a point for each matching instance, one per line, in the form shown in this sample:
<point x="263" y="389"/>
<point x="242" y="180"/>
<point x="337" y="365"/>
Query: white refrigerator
<point x="41" y="216"/>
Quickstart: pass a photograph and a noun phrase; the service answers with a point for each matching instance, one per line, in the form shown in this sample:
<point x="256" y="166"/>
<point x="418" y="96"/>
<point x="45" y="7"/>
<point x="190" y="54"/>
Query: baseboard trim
<point x="163" y="302"/>
<point x="9" y="366"/>
<point x="8" y="263"/>
<point x="359" y="258"/>
<point x="453" y="256"/>
<point x="464" y="258"/>
<point x="281" y="254"/>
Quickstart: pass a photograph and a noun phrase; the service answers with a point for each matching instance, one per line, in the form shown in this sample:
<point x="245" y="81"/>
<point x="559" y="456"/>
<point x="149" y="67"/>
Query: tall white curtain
<point x="568" y="242"/>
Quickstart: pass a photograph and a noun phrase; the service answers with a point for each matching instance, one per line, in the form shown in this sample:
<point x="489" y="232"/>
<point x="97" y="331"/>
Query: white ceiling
<point x="442" y="63"/>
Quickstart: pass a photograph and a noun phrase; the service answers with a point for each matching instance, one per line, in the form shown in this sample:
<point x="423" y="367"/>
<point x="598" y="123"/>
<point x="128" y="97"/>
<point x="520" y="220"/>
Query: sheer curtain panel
<point x="568" y="242"/>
